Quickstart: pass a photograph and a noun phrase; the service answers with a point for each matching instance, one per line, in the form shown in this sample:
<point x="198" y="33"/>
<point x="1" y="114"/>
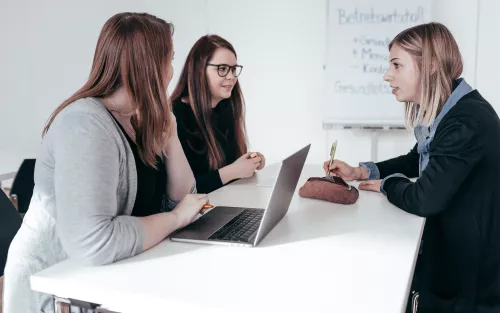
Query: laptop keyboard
<point x="241" y="227"/>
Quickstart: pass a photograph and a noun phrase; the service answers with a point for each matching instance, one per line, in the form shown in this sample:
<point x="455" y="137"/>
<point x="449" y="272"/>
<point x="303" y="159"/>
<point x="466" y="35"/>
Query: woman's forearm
<point x="227" y="174"/>
<point x="157" y="227"/>
<point x="180" y="178"/>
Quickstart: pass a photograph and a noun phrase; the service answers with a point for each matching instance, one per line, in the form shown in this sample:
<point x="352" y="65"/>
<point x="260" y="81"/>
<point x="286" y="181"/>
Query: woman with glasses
<point x="209" y="107"/>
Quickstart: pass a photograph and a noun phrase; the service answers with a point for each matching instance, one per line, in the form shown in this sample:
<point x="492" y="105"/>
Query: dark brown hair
<point x="193" y="83"/>
<point x="132" y="51"/>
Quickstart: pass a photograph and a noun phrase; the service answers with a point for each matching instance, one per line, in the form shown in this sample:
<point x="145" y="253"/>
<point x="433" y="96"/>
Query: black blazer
<point x="459" y="194"/>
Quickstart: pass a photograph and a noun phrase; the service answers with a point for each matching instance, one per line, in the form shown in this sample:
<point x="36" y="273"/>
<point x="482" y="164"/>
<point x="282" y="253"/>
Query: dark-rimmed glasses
<point x="223" y="69"/>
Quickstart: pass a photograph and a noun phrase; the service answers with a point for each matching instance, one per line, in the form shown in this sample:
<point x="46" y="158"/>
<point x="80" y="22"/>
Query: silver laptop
<point x="247" y="226"/>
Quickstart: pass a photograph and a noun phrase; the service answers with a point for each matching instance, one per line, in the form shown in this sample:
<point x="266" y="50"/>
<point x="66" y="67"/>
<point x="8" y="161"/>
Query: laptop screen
<point x="283" y="190"/>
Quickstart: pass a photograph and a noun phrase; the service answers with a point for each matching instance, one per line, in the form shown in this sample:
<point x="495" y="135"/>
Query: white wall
<point x="461" y="18"/>
<point x="283" y="52"/>
<point x="488" y="52"/>
<point x="47" y="48"/>
<point x="47" y="51"/>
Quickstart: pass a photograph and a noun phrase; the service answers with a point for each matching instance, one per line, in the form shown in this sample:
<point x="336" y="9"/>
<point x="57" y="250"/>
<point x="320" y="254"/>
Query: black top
<point x="195" y="147"/>
<point x="23" y="184"/>
<point x="151" y="183"/>
<point x="459" y="194"/>
<point x="10" y="222"/>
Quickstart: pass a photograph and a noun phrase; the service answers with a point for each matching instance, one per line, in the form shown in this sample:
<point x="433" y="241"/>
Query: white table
<point x="321" y="257"/>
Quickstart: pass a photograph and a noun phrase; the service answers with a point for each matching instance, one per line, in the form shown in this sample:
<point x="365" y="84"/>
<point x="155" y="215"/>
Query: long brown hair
<point x="132" y="51"/>
<point x="193" y="83"/>
<point x="439" y="61"/>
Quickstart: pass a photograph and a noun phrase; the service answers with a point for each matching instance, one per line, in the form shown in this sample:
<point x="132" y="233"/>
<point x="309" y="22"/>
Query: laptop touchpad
<point x="209" y="223"/>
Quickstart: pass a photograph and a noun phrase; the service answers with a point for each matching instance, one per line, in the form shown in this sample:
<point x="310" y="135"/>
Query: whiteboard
<point x="357" y="56"/>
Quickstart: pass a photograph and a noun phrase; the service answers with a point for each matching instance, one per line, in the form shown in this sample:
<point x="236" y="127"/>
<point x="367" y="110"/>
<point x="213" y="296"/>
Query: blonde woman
<point x="457" y="165"/>
<point x="111" y="179"/>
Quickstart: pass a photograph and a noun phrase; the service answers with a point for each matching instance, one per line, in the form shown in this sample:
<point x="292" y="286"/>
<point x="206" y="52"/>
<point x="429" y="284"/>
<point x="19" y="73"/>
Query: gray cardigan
<point x="86" y="161"/>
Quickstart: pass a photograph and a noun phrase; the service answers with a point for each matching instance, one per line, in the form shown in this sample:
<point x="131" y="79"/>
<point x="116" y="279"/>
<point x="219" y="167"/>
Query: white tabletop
<point x="321" y="257"/>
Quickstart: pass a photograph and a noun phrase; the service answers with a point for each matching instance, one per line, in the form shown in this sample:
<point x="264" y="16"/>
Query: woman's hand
<point x="370" y="185"/>
<point x="245" y="166"/>
<point x="262" y="160"/>
<point x="344" y="171"/>
<point x="188" y="208"/>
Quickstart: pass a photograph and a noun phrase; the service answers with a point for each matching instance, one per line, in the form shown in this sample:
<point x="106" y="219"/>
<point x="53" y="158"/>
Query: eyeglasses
<point x="223" y="69"/>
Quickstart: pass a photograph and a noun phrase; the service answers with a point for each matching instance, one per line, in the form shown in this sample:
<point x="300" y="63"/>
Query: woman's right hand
<point x="188" y="208"/>
<point x="245" y="165"/>
<point x="343" y="170"/>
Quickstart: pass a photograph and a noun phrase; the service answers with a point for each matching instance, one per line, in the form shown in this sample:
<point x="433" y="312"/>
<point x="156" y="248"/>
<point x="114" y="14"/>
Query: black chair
<point x="10" y="221"/>
<point x="22" y="186"/>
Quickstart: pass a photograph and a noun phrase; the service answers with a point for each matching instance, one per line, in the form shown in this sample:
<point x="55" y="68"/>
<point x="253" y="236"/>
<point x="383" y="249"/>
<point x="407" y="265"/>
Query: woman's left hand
<point x="262" y="161"/>
<point x="370" y="185"/>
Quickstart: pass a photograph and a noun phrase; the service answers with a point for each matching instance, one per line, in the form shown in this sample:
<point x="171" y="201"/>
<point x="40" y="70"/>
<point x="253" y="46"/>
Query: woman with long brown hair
<point x="209" y="107"/>
<point x="456" y="165"/>
<point x="111" y="173"/>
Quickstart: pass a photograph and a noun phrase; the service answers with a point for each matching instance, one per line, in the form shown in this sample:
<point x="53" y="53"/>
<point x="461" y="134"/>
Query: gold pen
<point x="332" y="156"/>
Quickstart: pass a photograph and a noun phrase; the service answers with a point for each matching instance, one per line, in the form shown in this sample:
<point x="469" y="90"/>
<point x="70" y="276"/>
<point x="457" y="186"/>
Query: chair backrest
<point x="10" y="221"/>
<point x="23" y="184"/>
